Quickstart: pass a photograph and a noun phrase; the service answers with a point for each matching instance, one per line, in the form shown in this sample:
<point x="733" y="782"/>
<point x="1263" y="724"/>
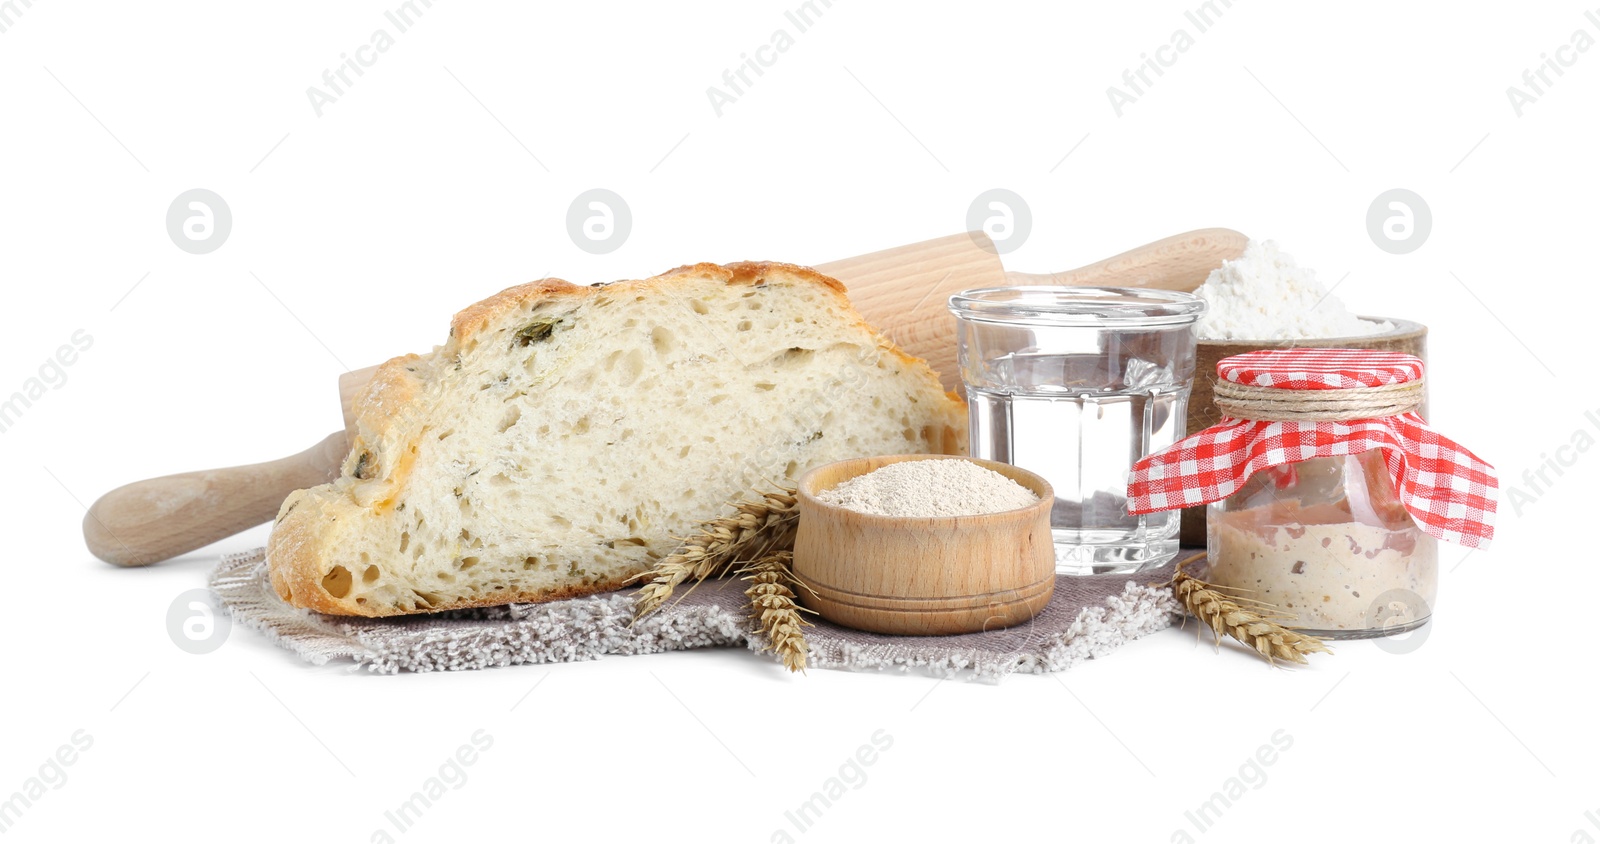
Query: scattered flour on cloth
<point x="927" y="488"/>
<point x="1264" y="295"/>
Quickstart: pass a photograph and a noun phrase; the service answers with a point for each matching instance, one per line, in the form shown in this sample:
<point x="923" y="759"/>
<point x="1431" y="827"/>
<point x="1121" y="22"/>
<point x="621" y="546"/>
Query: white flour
<point x="1265" y="295"/>
<point x="924" y="488"/>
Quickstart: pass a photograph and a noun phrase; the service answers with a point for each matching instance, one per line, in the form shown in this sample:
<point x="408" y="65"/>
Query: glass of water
<point x="1077" y="384"/>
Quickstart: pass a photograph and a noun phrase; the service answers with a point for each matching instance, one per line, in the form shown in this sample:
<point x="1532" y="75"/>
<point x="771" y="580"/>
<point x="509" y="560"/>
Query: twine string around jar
<point x="1273" y="404"/>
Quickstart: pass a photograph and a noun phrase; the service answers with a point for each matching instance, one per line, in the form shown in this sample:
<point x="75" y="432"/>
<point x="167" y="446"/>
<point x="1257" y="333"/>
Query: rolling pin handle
<point x="149" y="521"/>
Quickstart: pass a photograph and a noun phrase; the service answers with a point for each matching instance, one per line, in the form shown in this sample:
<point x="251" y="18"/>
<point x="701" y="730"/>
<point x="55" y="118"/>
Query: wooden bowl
<point x="1407" y="337"/>
<point x="923" y="576"/>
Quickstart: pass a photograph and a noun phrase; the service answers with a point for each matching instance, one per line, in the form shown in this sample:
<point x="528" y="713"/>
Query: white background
<point x="444" y="174"/>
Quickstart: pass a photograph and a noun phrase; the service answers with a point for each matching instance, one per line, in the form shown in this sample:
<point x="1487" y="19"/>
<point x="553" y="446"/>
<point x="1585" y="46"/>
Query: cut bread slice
<point x="565" y="438"/>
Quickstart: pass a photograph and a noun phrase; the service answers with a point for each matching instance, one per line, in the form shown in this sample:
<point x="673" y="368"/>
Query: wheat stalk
<point x="754" y="530"/>
<point x="774" y="610"/>
<point x="1253" y="623"/>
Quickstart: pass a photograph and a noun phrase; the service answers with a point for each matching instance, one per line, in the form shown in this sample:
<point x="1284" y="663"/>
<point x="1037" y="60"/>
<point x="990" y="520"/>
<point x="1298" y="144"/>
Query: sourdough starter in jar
<point x="1300" y="476"/>
<point x="1327" y="541"/>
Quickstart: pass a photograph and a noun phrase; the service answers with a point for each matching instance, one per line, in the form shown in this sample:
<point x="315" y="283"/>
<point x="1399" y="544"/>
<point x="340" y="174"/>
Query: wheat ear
<point x="774" y="610"/>
<point x="1251" y="622"/>
<point x="755" y="529"/>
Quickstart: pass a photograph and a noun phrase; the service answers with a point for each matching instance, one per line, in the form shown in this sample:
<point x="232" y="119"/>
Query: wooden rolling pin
<point x="903" y="291"/>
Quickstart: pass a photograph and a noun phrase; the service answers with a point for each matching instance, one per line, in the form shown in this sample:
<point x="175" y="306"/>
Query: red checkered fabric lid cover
<point x="1319" y="369"/>
<point x="1448" y="490"/>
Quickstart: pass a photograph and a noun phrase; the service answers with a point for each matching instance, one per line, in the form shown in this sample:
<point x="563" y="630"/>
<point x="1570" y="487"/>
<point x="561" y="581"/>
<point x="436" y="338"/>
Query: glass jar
<point x="1077" y="384"/>
<point x="1328" y="542"/>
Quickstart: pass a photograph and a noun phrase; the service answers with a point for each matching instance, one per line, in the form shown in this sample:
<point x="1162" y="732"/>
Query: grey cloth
<point x="1087" y="617"/>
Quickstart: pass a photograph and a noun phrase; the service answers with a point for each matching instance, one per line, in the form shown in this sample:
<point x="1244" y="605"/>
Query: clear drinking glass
<point x="1077" y="384"/>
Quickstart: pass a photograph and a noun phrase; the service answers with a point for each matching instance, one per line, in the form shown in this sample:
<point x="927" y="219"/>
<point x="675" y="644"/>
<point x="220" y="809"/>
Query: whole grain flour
<point x="930" y="488"/>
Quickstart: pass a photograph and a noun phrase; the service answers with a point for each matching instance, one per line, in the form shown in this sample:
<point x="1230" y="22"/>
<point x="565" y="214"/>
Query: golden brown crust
<point x="292" y="559"/>
<point x="296" y="569"/>
<point x="318" y="601"/>
<point x="472" y="319"/>
<point x="755" y="272"/>
<point x="389" y="411"/>
<point x="395" y="384"/>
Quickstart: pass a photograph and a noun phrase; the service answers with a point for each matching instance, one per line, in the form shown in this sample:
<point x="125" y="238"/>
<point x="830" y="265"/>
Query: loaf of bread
<point x="564" y="438"/>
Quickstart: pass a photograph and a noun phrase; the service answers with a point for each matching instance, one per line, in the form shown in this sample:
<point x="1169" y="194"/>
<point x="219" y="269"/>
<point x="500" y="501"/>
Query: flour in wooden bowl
<point x="929" y="488"/>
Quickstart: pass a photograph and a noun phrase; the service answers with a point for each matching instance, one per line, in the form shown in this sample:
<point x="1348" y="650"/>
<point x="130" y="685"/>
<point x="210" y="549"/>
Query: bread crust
<point x="388" y="414"/>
